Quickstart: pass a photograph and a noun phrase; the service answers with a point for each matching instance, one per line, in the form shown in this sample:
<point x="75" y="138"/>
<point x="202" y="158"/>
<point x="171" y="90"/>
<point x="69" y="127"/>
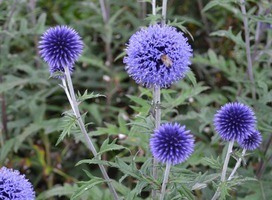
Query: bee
<point x="166" y="60"/>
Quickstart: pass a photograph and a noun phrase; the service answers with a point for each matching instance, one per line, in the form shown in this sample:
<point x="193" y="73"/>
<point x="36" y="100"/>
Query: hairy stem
<point x="248" y="54"/>
<point x="237" y="165"/>
<point x="71" y="97"/>
<point x="165" y="180"/>
<point x="226" y="162"/>
<point x="224" y="170"/>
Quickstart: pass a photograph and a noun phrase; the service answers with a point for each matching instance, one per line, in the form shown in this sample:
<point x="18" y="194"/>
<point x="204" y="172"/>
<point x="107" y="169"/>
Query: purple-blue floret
<point x="252" y="141"/>
<point x="158" y="55"/>
<point x="234" y="121"/>
<point x="14" y="186"/>
<point x="60" y="47"/>
<point x="172" y="143"/>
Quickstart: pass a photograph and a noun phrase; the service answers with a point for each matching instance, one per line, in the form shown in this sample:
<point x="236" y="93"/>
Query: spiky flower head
<point x="234" y="121"/>
<point x="171" y="143"/>
<point x="60" y="47"/>
<point x="252" y="141"/>
<point x="157" y="55"/>
<point x="14" y="186"/>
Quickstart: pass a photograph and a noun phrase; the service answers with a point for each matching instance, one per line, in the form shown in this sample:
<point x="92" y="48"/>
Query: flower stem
<point x="72" y="99"/>
<point x="157" y="109"/>
<point x="224" y="170"/>
<point x="165" y="180"/>
<point x="225" y="167"/>
<point x="248" y="54"/>
<point x="153" y="7"/>
<point x="164" y="8"/>
<point x="237" y="165"/>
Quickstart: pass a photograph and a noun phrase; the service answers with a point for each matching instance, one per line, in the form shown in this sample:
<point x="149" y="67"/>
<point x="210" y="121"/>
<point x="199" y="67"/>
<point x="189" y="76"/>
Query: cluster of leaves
<point x="32" y="106"/>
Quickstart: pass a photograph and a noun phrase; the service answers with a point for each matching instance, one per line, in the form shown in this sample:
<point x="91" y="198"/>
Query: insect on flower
<point x="166" y="60"/>
<point x="158" y="55"/>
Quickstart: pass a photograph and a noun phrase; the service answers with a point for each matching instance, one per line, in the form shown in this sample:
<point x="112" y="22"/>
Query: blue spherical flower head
<point x="60" y="47"/>
<point x="234" y="121"/>
<point x="157" y="56"/>
<point x="14" y="186"/>
<point x="172" y="144"/>
<point x="252" y="141"/>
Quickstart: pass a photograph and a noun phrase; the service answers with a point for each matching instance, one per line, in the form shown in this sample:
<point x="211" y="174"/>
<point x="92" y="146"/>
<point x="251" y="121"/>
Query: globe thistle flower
<point x="14" y="186"/>
<point x="252" y="141"/>
<point x="60" y="47"/>
<point x="171" y="144"/>
<point x="234" y="121"/>
<point x="158" y="55"/>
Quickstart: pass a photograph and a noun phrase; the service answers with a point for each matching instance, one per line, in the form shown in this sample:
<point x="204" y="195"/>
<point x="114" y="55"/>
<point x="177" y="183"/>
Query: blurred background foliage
<point x="32" y="104"/>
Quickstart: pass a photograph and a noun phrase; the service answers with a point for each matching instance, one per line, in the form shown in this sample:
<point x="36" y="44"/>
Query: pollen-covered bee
<point x="166" y="60"/>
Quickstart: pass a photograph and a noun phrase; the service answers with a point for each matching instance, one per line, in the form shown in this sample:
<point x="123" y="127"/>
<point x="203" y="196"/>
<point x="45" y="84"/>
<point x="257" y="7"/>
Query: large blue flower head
<point x="60" y="47"/>
<point x="171" y="143"/>
<point x="252" y="141"/>
<point x="14" y="186"/>
<point x="158" y="55"/>
<point x="234" y="121"/>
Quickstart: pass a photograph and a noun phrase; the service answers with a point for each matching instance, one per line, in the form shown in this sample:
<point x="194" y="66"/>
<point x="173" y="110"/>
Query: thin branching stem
<point x="64" y="86"/>
<point x="237" y="165"/>
<point x="248" y="53"/>
<point x="224" y="170"/>
<point x="165" y="180"/>
<point x="71" y="97"/>
<point x="226" y="162"/>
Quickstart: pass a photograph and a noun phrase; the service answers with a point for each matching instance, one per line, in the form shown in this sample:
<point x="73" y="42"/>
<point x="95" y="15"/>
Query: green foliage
<point x="37" y="123"/>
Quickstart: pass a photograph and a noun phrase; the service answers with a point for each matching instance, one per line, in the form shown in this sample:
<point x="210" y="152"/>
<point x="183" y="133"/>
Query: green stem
<point x="72" y="99"/>
<point x="165" y="180"/>
<point x="237" y="165"/>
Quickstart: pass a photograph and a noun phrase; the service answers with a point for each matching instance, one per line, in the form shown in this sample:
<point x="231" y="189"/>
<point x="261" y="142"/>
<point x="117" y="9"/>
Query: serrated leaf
<point x="86" y="96"/>
<point x="95" y="161"/>
<point x="68" y="125"/>
<point x="85" y="186"/>
<point x="106" y="146"/>
<point x="57" y="191"/>
<point x="185" y="192"/>
<point x="181" y="27"/>
<point x="237" y="39"/>
<point x="211" y="162"/>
